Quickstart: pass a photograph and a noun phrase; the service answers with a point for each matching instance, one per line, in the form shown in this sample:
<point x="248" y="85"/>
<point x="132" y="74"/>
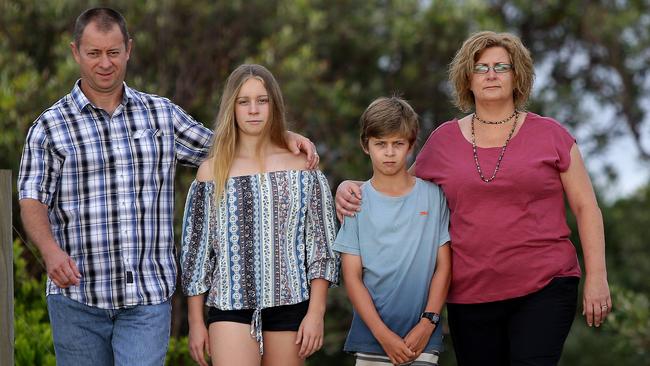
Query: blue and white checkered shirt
<point x="109" y="184"/>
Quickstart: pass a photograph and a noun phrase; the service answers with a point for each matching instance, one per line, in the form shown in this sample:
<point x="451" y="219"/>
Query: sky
<point x="621" y="152"/>
<point x="624" y="156"/>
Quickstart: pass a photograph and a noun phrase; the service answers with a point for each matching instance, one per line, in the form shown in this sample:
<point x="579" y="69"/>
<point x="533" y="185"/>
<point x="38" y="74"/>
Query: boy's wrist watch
<point x="434" y="318"/>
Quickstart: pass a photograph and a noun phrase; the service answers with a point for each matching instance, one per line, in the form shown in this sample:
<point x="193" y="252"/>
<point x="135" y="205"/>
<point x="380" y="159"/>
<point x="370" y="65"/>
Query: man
<point x="96" y="189"/>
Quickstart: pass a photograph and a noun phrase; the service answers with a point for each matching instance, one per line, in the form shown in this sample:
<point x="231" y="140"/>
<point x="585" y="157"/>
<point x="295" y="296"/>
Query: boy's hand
<point x="348" y="199"/>
<point x="310" y="334"/>
<point x="395" y="348"/>
<point x="418" y="337"/>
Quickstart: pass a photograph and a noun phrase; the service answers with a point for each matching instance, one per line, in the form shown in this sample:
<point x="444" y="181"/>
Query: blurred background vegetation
<point x="332" y="57"/>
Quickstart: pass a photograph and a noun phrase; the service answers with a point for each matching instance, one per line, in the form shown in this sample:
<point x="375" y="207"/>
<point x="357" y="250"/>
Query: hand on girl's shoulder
<point x="204" y="172"/>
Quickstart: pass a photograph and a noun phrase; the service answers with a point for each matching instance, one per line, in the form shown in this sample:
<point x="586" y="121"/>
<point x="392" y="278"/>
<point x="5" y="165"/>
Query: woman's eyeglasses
<point x="499" y="68"/>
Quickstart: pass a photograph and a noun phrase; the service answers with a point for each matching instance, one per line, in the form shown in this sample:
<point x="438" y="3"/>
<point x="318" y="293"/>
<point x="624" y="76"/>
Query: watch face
<point x="433" y="317"/>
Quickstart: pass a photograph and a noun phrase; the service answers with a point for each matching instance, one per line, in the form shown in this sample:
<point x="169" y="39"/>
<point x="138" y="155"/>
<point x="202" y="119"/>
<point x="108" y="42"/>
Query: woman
<point x="505" y="172"/>
<point x="256" y="236"/>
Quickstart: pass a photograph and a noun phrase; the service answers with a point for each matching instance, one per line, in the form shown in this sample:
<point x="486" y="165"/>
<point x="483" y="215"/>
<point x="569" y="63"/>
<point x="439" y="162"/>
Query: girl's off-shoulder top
<point x="260" y="246"/>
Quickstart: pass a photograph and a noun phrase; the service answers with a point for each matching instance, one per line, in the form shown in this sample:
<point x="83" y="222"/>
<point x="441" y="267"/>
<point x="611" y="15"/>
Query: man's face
<point x="102" y="58"/>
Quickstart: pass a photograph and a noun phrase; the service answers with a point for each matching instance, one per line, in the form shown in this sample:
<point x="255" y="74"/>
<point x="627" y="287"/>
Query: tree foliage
<point x="33" y="342"/>
<point x="332" y="58"/>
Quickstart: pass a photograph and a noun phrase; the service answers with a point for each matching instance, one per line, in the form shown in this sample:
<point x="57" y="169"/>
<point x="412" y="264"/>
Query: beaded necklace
<point x="494" y="123"/>
<point x="503" y="149"/>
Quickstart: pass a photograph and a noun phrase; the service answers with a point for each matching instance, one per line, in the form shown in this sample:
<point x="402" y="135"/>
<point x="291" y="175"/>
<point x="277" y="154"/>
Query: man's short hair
<point x="104" y="18"/>
<point x="387" y="116"/>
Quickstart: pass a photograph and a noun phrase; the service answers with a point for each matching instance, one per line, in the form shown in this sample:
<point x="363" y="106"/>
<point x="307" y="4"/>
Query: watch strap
<point x="434" y="318"/>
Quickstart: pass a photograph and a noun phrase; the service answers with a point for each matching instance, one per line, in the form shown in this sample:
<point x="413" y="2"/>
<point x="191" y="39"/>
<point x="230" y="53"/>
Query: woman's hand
<point x="348" y="199"/>
<point x="596" y="300"/>
<point x="199" y="343"/>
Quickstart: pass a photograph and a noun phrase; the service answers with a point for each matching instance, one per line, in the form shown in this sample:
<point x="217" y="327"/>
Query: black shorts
<point x="277" y="318"/>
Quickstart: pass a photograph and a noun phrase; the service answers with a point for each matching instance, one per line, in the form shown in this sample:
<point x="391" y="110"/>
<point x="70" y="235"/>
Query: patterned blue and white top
<point x="260" y="247"/>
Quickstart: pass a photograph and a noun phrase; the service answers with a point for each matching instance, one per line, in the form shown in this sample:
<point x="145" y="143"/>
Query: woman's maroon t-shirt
<point x="509" y="237"/>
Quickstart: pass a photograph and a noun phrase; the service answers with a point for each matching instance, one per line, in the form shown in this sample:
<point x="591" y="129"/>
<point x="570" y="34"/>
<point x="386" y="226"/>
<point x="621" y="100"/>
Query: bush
<point x="178" y="353"/>
<point x="32" y="328"/>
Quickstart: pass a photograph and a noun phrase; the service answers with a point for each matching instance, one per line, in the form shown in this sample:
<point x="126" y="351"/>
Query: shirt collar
<point x="81" y="101"/>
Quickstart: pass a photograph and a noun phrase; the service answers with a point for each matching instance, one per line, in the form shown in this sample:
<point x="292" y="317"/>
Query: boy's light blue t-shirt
<point x="397" y="239"/>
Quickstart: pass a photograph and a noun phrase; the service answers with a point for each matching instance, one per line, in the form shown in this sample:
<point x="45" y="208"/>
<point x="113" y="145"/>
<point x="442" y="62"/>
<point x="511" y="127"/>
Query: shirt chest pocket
<point x="151" y="150"/>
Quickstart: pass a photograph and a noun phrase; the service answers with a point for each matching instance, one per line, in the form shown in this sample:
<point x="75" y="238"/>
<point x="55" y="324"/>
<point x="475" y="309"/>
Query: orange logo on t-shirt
<point x="424" y="213"/>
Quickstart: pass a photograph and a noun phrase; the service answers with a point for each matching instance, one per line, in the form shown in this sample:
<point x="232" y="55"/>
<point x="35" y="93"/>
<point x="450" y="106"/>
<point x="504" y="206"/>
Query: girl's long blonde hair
<point x="224" y="145"/>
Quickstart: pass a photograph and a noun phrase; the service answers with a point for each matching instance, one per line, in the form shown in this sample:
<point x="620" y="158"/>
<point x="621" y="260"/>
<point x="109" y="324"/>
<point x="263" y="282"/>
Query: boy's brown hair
<point x="388" y="116"/>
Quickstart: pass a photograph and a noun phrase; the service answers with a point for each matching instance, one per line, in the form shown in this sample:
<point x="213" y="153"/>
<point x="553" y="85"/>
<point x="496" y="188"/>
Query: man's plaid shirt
<point x="109" y="184"/>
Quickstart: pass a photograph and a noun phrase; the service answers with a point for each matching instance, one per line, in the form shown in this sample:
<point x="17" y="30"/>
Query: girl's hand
<point x="310" y="334"/>
<point x="199" y="343"/>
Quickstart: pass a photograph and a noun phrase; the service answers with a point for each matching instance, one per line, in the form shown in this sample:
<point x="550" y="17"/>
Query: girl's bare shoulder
<point x="204" y="173"/>
<point x="283" y="159"/>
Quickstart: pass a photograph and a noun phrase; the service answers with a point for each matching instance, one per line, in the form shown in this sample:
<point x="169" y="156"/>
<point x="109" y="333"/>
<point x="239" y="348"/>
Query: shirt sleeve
<point x="322" y="261"/>
<point x="40" y="167"/>
<point x="192" y="139"/>
<point x="347" y="240"/>
<point x="197" y="254"/>
<point x="564" y="141"/>
<point x="425" y="159"/>
<point x="443" y="214"/>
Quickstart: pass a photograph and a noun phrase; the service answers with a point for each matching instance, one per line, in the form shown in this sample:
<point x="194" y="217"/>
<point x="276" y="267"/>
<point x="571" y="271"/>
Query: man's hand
<point x="58" y="264"/>
<point x="298" y="143"/>
<point x="61" y="268"/>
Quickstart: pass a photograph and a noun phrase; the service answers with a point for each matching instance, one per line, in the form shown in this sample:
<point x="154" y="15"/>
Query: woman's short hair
<point x="461" y="67"/>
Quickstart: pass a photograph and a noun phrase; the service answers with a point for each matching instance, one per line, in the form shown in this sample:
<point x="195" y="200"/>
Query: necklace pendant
<point x="503" y="149"/>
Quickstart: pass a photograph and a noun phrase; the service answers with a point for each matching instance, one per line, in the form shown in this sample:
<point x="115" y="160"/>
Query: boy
<point x="391" y="248"/>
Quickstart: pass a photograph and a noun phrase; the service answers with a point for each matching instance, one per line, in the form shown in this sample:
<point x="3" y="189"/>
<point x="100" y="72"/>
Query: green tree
<point x="332" y="58"/>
